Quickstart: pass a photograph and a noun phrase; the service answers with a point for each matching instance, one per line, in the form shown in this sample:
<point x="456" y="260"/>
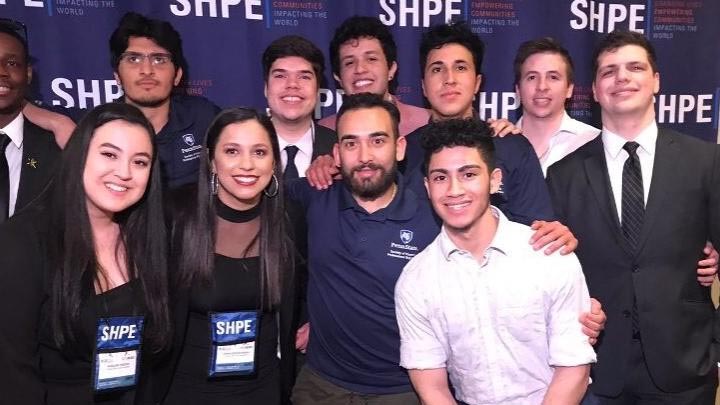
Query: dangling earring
<point x="272" y="189"/>
<point x="214" y="184"/>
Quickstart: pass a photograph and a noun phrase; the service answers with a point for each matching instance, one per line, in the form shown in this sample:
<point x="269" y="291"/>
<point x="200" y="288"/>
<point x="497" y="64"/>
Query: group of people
<point x="389" y="254"/>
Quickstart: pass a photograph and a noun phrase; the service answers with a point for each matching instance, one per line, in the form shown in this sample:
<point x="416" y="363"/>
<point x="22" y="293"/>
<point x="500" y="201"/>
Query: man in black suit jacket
<point x="293" y="69"/>
<point x="29" y="152"/>
<point x="660" y="341"/>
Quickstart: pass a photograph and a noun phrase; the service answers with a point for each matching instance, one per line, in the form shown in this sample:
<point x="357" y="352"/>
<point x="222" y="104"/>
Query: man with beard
<point x="362" y="231"/>
<point x="148" y="63"/>
<point x="27" y="153"/>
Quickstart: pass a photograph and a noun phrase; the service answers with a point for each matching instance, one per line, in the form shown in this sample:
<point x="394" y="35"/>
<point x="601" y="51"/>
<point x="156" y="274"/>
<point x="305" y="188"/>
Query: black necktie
<point x="4" y="178"/>
<point x="633" y="212"/>
<point x="633" y="206"/>
<point x="291" y="171"/>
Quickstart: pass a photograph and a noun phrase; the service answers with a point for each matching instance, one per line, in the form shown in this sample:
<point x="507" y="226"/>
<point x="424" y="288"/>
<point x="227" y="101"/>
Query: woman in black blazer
<point x="83" y="283"/>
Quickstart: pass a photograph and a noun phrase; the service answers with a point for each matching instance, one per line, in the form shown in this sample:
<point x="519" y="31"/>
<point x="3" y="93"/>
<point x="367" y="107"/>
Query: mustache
<point x="371" y="166"/>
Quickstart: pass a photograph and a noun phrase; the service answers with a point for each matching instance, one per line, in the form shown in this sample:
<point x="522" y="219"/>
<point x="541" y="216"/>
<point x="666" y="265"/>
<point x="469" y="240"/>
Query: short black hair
<point x="542" y="45"/>
<point x="13" y="28"/>
<point x="357" y="27"/>
<point x="363" y="101"/>
<point x="452" y="33"/>
<point x="294" y="45"/>
<point x="617" y="39"/>
<point x="451" y="133"/>
<point x="159" y="31"/>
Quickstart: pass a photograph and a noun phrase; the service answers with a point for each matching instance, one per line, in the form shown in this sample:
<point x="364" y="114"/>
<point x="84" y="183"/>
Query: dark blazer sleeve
<point x="324" y="140"/>
<point x="21" y="297"/>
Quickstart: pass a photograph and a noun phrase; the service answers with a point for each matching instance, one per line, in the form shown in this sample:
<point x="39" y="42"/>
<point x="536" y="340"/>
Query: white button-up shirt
<point x="571" y="135"/>
<point x="615" y="156"/>
<point x="499" y="325"/>
<point x="13" y="154"/>
<point x="304" y="153"/>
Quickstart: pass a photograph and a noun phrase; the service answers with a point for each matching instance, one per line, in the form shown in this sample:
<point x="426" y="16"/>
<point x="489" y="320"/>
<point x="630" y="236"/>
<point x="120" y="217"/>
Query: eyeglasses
<point x="136" y="58"/>
<point x="15" y="26"/>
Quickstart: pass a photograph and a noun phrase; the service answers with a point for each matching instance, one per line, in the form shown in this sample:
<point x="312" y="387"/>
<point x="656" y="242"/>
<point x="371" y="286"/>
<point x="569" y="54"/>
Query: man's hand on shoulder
<point x="552" y="236"/>
<point x="502" y="127"/>
<point x="322" y="172"/>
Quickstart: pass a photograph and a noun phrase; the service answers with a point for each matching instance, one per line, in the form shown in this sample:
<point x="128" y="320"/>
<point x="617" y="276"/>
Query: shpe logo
<point x="183" y="8"/>
<point x="408" y="12"/>
<point x="406" y="236"/>
<point x="604" y="17"/>
<point x="189" y="139"/>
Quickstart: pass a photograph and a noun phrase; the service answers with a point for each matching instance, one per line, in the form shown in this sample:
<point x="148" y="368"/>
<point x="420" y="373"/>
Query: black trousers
<point x="641" y="390"/>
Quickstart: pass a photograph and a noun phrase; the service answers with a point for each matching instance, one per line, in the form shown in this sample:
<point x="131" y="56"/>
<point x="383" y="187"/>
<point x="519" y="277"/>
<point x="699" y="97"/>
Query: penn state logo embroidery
<point x="189" y="139"/>
<point x="406" y="236"/>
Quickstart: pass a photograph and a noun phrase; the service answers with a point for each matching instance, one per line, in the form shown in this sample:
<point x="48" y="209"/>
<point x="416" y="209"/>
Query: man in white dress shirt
<point x="543" y="82"/>
<point x="478" y="304"/>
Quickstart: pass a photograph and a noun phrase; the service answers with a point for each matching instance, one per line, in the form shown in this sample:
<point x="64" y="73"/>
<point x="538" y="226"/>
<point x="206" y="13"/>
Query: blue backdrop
<point x="223" y="41"/>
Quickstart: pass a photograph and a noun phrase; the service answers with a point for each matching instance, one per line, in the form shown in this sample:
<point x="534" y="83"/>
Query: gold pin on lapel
<point x="32" y="163"/>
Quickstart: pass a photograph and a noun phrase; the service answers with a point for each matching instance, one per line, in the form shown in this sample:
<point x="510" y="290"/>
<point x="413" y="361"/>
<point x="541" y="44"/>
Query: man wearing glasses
<point x="148" y="62"/>
<point x="27" y="152"/>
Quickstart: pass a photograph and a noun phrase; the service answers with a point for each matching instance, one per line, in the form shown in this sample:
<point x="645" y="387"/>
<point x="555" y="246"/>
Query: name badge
<point x="234" y="336"/>
<point x="117" y="353"/>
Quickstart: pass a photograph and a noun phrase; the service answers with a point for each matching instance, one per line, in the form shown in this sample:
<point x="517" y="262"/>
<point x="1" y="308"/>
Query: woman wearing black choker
<point x="234" y="285"/>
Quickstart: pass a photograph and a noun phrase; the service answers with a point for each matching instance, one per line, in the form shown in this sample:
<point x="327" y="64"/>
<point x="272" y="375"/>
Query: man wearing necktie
<point x="294" y="68"/>
<point x="27" y="153"/>
<point x="642" y="201"/>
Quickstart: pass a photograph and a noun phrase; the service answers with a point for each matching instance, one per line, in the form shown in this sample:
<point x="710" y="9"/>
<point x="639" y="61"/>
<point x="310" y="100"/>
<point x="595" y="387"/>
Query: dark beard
<point x="367" y="189"/>
<point x="152" y="103"/>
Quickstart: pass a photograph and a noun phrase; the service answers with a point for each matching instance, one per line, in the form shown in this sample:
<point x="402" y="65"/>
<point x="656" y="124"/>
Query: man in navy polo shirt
<point x="362" y="231"/>
<point x="148" y="63"/>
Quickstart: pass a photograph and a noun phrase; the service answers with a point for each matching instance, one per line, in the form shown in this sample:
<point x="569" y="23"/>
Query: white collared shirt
<point x="498" y="324"/>
<point x="615" y="156"/>
<point x="305" y="150"/>
<point x="571" y="135"/>
<point x="14" y="154"/>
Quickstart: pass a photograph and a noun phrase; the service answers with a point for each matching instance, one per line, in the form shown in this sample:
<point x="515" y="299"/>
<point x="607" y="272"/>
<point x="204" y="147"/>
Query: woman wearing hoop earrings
<point x="233" y="273"/>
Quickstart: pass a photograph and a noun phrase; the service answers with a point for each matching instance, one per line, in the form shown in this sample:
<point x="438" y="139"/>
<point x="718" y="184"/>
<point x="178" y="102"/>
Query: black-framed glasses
<point x="17" y="27"/>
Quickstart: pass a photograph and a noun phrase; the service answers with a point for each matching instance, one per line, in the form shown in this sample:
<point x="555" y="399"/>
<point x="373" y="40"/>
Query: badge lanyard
<point x="116" y="360"/>
<point x="233" y="343"/>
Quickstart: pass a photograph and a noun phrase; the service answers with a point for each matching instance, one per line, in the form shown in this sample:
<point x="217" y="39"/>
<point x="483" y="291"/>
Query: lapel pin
<point x="32" y="163"/>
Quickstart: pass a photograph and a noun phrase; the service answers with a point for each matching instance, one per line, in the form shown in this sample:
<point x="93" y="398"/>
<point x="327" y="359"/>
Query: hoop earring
<point x="271" y="191"/>
<point x="214" y="184"/>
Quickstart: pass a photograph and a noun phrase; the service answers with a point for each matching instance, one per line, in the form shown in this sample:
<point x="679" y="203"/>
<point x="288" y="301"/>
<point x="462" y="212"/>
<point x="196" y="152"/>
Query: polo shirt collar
<point x="14" y="130"/>
<point x="567" y="125"/>
<point x="179" y="118"/>
<point x="503" y="241"/>
<point x="647" y="139"/>
<point x="402" y="207"/>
